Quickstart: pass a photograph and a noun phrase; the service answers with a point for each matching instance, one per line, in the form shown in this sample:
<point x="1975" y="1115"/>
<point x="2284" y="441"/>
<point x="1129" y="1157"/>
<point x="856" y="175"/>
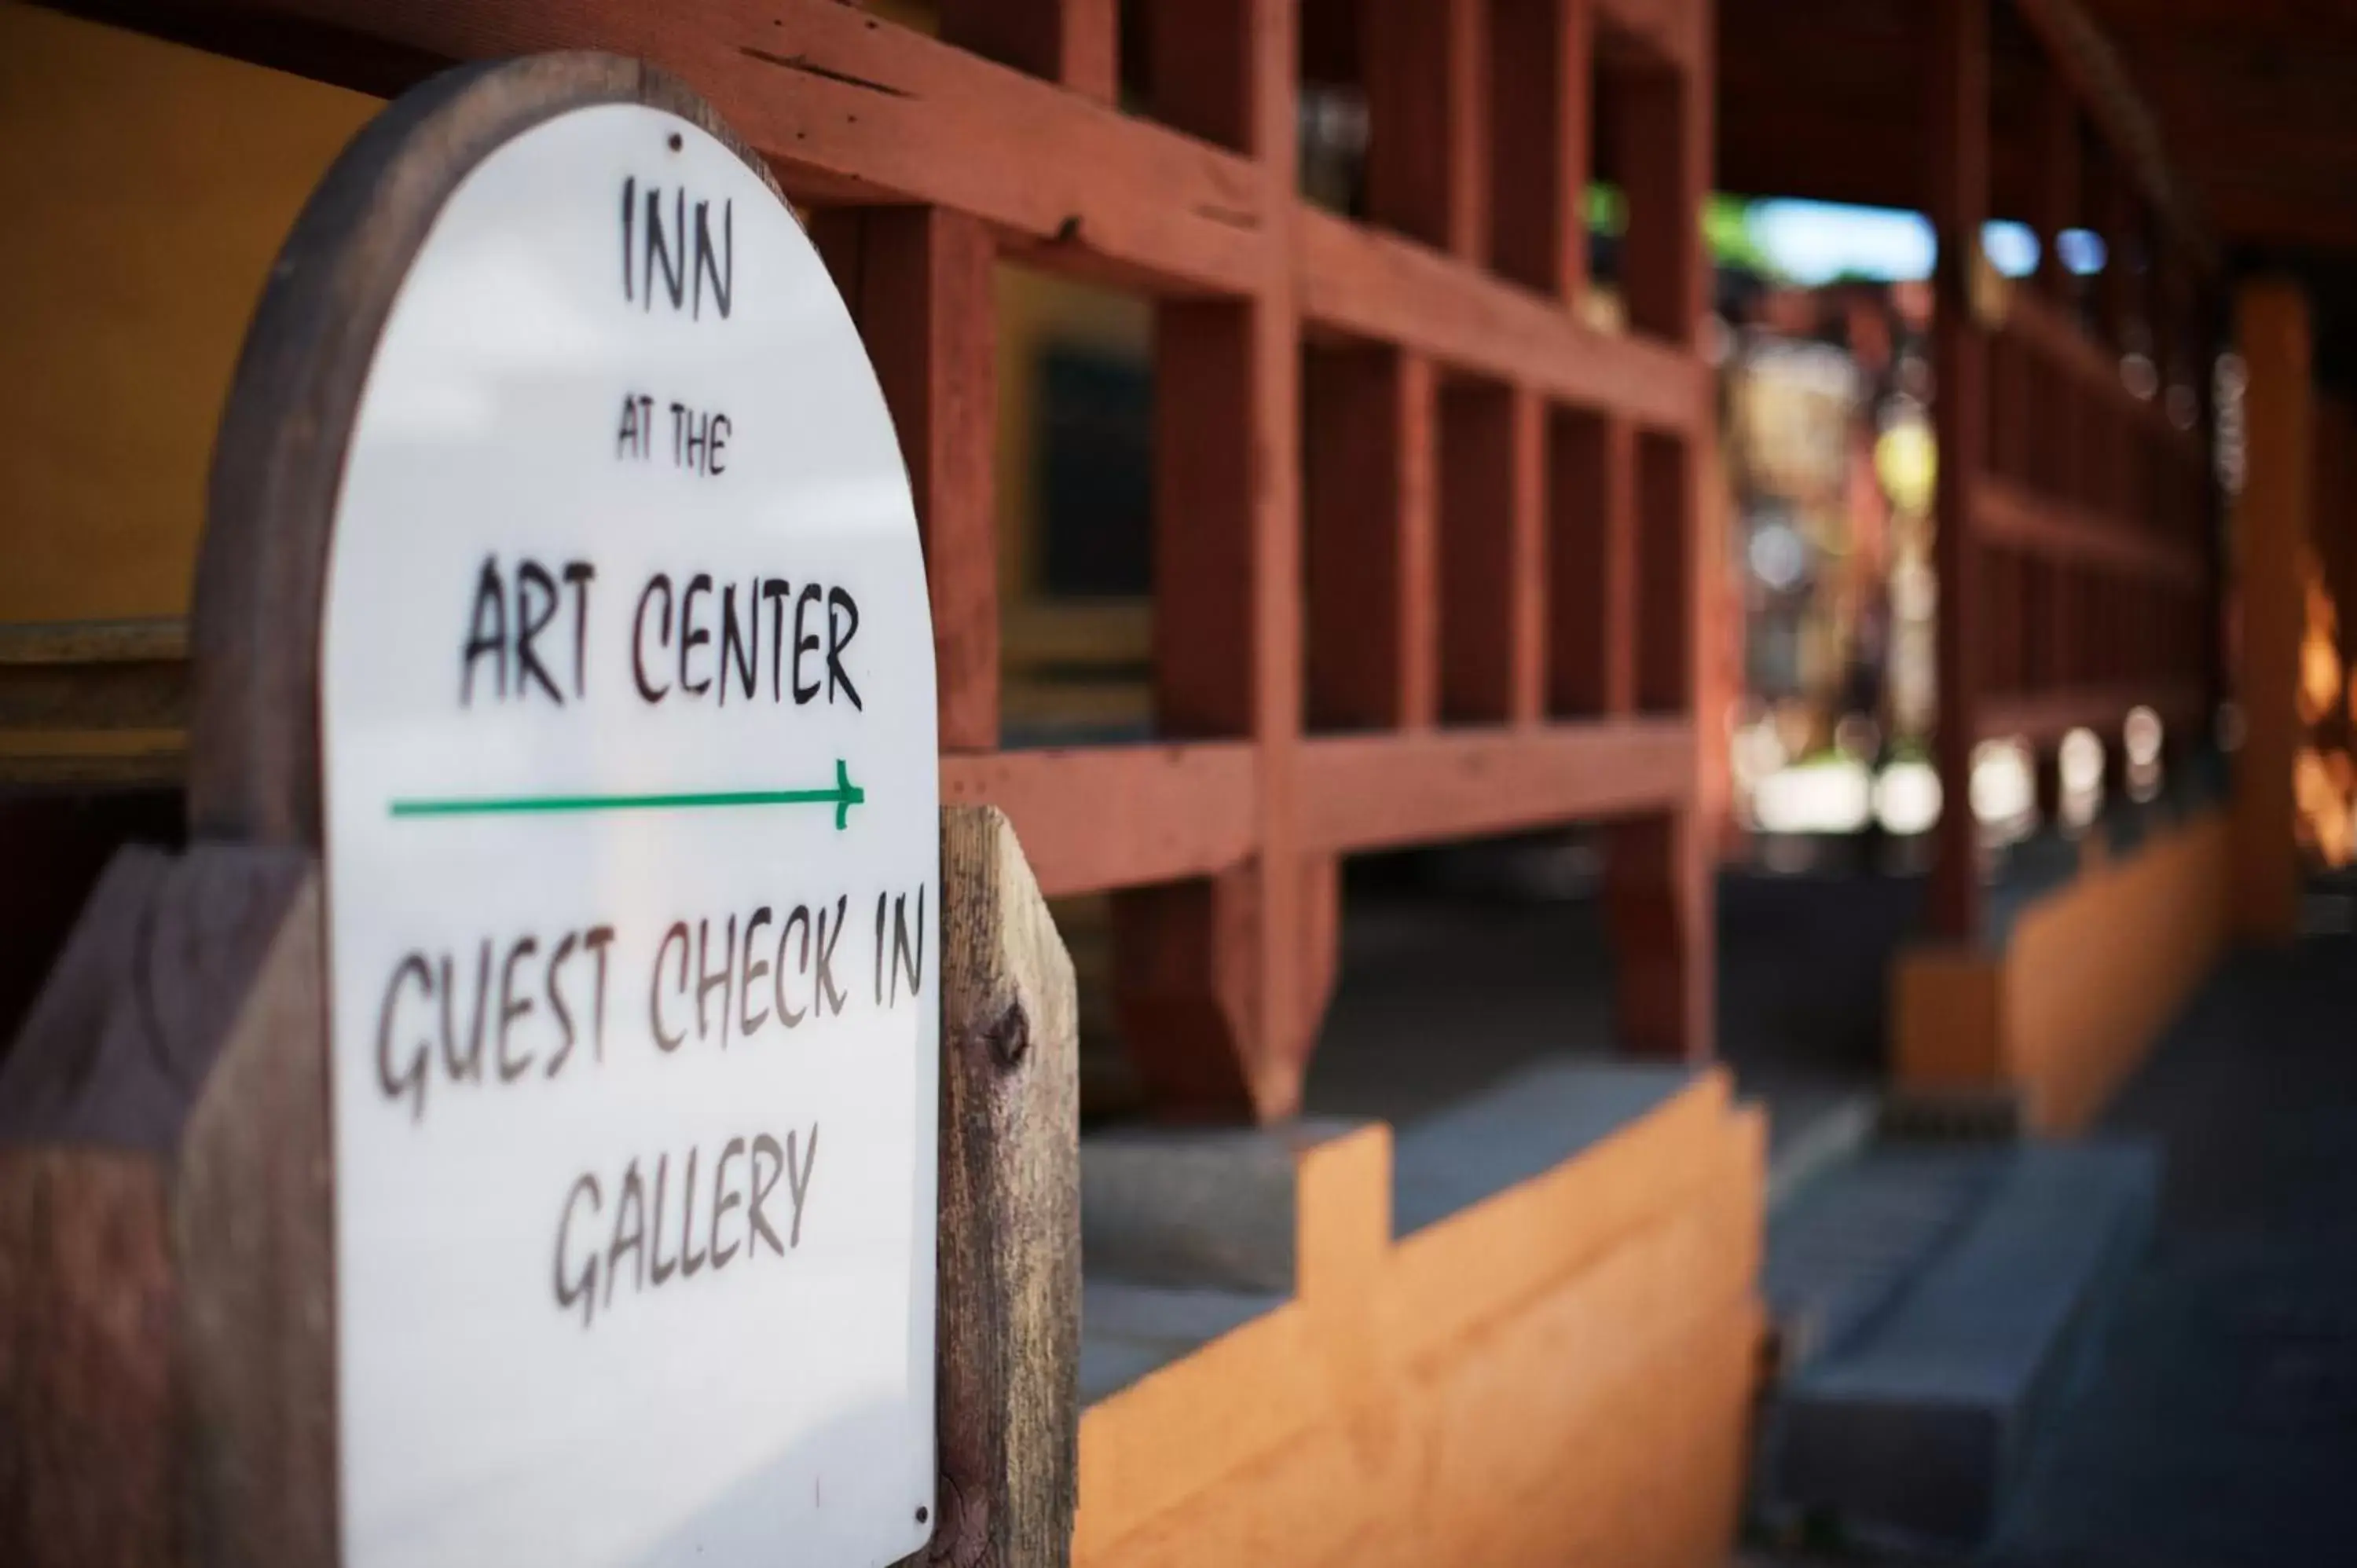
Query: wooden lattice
<point x="1425" y="539"/>
<point x="2076" y="553"/>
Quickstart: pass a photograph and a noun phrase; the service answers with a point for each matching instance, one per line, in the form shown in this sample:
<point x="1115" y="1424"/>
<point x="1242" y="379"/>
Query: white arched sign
<point x="627" y="797"/>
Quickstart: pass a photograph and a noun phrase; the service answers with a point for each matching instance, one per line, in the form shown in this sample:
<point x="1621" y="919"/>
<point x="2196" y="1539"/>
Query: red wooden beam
<point x="2045" y="717"/>
<point x="1362" y="792"/>
<point x="1956" y="67"/>
<point x="2055" y="337"/>
<point x="2008" y="514"/>
<point x="1365" y="284"/>
<point x="852" y="109"/>
<point x="1113" y="817"/>
<point x="918" y="282"/>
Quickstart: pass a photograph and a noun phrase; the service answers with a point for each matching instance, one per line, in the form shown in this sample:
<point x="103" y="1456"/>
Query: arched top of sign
<point x="279" y="460"/>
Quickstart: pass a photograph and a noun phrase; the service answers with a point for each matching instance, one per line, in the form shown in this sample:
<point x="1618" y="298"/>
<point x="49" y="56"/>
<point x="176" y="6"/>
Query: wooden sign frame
<point x="167" y="1356"/>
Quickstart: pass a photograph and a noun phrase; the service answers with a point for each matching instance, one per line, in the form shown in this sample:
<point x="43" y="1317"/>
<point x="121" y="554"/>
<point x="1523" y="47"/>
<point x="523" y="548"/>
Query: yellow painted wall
<point x="2090" y="977"/>
<point x="148" y="187"/>
<point x="1560" y="1375"/>
<point x="1037" y="310"/>
<point x="1045" y="641"/>
<point x="158" y="182"/>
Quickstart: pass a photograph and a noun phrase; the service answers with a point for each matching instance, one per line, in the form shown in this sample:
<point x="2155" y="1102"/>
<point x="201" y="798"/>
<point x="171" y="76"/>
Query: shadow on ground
<point x="2219" y="1424"/>
<point x="1443" y="993"/>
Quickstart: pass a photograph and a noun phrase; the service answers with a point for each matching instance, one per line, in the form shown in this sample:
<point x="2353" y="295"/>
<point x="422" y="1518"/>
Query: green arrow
<point x="842" y="797"/>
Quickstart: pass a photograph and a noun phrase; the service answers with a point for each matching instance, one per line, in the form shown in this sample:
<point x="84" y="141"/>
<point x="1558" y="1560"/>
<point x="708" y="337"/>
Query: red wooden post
<point x="1666" y="629"/>
<point x="1659" y="899"/>
<point x="1526" y="561"/>
<point x="2058" y="179"/>
<point x="1660" y="894"/>
<point x="917" y="280"/>
<point x="2117" y="285"/>
<point x="1958" y="65"/>
<point x="1491" y="580"/>
<point x="1592" y="517"/>
<point x="1218" y="991"/>
<point x="1428" y="121"/>
<point x="1192" y="965"/>
<point x="1368" y="494"/>
<point x="1663" y="179"/>
<point x="1075" y="43"/>
<point x="1540" y="56"/>
<point x="2173" y="348"/>
<point x="2011" y="370"/>
<point x="1202" y="84"/>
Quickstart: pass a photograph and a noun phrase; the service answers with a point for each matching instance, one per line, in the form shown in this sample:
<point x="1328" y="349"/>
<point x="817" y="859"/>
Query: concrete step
<point x="1939" y="1329"/>
<point x="1811" y="1131"/>
<point x="1842" y="1247"/>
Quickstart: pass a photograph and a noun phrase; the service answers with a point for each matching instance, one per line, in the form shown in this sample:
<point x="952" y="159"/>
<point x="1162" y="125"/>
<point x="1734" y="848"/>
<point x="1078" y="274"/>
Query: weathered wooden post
<point x="521" y="1126"/>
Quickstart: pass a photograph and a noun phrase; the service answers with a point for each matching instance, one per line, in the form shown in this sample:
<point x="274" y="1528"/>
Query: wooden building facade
<point x="1431" y="560"/>
<point x="1425" y="542"/>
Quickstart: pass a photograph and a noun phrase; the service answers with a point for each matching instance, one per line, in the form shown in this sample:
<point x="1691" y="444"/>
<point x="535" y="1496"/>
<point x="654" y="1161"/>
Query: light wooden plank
<point x="1009" y="1291"/>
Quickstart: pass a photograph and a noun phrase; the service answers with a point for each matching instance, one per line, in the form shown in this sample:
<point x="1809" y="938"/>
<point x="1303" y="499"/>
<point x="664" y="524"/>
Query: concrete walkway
<point x="2218" y="1424"/>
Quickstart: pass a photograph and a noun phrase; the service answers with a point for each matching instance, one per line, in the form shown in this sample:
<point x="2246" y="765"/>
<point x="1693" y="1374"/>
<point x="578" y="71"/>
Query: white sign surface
<point x="633" y="854"/>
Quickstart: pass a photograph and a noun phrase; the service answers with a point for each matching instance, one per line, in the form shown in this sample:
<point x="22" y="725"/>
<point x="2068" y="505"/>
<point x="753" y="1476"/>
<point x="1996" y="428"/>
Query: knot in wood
<point x="962" y="1534"/>
<point x="1008" y="1036"/>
